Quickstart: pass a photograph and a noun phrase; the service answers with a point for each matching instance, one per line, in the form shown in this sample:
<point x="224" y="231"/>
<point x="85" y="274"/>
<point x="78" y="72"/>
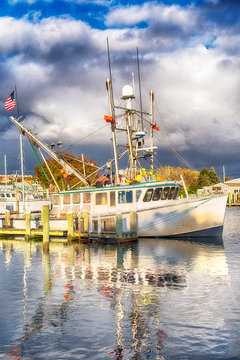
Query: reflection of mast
<point x="120" y="316"/>
<point x="27" y="263"/>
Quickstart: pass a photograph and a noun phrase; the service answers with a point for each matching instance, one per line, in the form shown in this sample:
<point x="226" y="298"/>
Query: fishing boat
<point x="160" y="211"/>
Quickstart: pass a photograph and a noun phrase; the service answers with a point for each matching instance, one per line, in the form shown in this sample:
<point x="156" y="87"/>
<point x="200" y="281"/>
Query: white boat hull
<point x="184" y="218"/>
<point x="33" y="205"/>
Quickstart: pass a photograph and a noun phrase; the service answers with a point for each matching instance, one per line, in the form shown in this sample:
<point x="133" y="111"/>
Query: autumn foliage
<point x="63" y="179"/>
<point x="193" y="179"/>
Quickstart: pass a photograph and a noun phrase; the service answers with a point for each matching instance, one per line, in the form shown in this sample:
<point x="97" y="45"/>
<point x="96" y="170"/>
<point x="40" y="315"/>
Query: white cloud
<point x="60" y="67"/>
<point x="151" y="11"/>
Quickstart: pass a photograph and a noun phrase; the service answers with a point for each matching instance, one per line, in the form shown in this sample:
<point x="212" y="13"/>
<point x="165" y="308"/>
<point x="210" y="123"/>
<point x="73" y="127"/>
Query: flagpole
<point x="17" y="101"/>
<point x="21" y="152"/>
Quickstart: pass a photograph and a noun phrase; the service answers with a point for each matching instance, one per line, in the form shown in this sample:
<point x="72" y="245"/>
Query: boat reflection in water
<point x="111" y="302"/>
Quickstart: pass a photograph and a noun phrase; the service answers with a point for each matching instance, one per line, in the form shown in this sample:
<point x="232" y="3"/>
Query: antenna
<point x="139" y="86"/>
<point x="133" y="84"/>
<point x="110" y="72"/>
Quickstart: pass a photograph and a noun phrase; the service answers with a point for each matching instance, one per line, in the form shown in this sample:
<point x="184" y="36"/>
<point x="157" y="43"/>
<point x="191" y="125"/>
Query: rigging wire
<point x="170" y="146"/>
<point x="78" y="160"/>
<point x="85" y="137"/>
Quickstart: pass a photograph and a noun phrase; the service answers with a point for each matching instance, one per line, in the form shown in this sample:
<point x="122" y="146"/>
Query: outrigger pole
<point x="48" y="150"/>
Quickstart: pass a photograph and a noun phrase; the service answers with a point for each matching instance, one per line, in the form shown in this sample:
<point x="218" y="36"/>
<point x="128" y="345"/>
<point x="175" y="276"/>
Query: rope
<point x="39" y="161"/>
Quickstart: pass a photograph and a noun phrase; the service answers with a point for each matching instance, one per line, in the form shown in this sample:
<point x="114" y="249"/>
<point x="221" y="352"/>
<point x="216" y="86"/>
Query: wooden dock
<point x="233" y="200"/>
<point x="81" y="228"/>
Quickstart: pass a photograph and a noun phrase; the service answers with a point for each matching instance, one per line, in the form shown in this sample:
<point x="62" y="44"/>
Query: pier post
<point x="79" y="226"/>
<point x="16" y="199"/>
<point x="7" y="218"/>
<point x="229" y="200"/>
<point x="119" y="227"/>
<point x="28" y="225"/>
<point x="45" y="223"/>
<point x="99" y="228"/>
<point x="133" y="223"/>
<point x="70" y="226"/>
<point x="235" y="198"/>
<point x="85" y="222"/>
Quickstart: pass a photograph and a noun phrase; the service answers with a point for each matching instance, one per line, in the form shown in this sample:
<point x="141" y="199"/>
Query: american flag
<point x="10" y="102"/>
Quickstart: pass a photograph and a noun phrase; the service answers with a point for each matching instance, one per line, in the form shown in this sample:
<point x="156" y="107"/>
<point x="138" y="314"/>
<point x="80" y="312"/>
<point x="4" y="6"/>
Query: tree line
<point x="193" y="179"/>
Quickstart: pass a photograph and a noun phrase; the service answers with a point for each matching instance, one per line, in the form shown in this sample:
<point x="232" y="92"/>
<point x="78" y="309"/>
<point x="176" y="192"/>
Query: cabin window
<point x="171" y="193"/>
<point x="175" y="195"/>
<point x="56" y="200"/>
<point x="76" y="198"/>
<point x="148" y="195"/>
<point x="125" y="197"/>
<point x="165" y="193"/>
<point x="157" y="194"/>
<point x="66" y="198"/>
<point x="2" y="195"/>
<point x="8" y="195"/>
<point x="112" y="198"/>
<point x="86" y="198"/>
<point x="101" y="198"/>
<point x="138" y="193"/>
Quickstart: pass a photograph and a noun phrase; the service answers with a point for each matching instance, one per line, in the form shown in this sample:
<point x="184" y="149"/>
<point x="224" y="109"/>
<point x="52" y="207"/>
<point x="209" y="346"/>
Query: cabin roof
<point x="124" y="187"/>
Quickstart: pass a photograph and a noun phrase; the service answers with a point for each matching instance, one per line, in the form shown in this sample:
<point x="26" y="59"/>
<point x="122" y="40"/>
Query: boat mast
<point x="128" y="95"/>
<point x="151" y="127"/>
<point x="139" y="88"/>
<point x="21" y="152"/>
<point x="5" y="165"/>
<point x="112" y="113"/>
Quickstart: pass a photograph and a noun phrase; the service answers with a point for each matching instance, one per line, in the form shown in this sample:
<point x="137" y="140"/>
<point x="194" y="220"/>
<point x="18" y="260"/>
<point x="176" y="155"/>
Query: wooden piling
<point x="16" y="199"/>
<point x="85" y="221"/>
<point x="99" y="228"/>
<point x="28" y="226"/>
<point x="229" y="200"/>
<point x="79" y="226"/>
<point x="133" y="223"/>
<point x="45" y="223"/>
<point x="70" y="232"/>
<point x="235" y="198"/>
<point x="7" y="218"/>
<point x="119" y="227"/>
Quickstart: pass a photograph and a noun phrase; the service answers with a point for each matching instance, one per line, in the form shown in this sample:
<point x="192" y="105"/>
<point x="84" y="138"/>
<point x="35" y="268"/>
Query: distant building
<point x="15" y="182"/>
<point x="228" y="187"/>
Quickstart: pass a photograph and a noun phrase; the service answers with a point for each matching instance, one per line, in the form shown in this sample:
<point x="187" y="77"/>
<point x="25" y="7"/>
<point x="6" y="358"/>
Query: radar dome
<point x="127" y="92"/>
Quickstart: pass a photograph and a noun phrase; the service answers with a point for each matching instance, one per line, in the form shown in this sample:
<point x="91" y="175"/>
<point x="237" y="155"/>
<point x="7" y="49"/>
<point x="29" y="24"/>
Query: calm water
<point x="155" y="299"/>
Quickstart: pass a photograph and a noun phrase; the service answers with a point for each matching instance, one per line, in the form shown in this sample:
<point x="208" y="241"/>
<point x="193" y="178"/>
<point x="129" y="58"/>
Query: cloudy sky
<point x="54" y="51"/>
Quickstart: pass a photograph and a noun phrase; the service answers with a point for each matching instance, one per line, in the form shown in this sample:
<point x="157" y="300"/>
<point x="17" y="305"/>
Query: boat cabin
<point x="112" y="199"/>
